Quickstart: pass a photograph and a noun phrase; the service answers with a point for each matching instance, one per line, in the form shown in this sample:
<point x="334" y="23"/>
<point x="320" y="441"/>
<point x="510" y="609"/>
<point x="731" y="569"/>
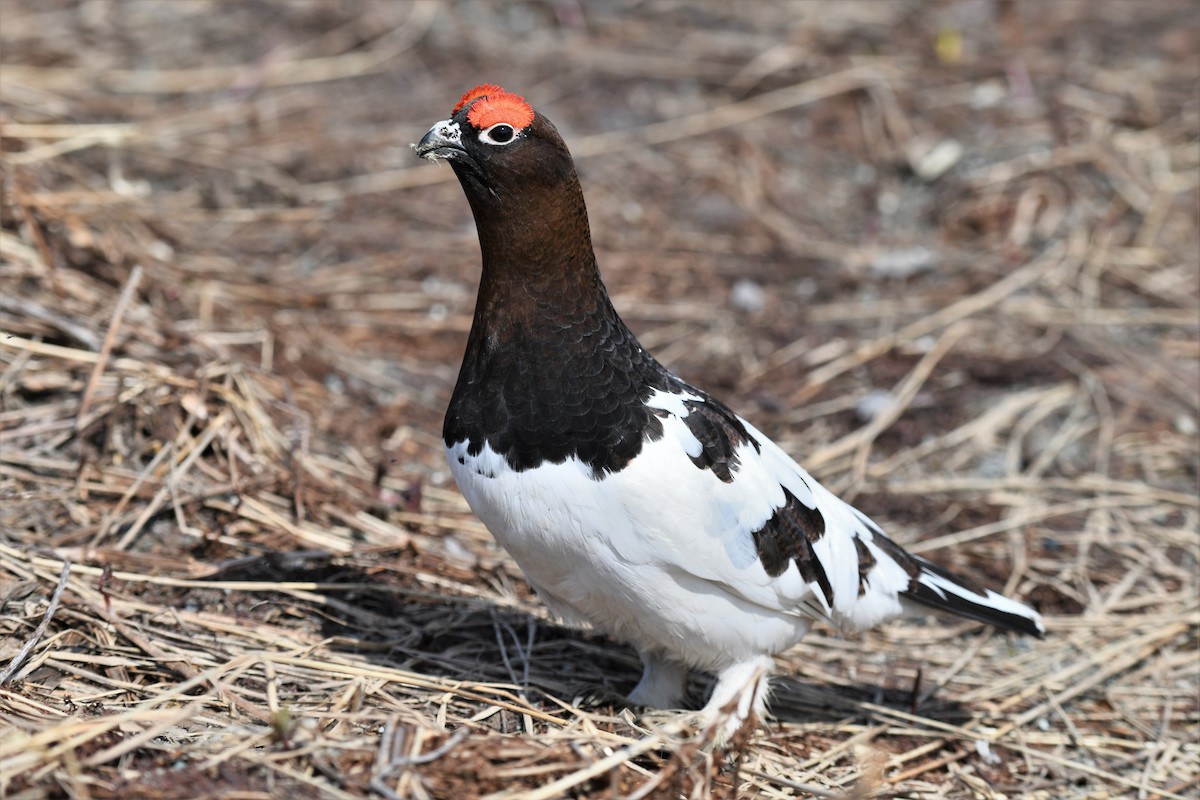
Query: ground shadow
<point x="470" y="639"/>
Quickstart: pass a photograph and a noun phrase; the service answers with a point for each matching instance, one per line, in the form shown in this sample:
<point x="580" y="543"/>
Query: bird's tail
<point x="940" y="589"/>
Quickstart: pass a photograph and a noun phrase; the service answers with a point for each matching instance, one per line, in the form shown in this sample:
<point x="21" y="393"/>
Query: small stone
<point x="991" y="466"/>
<point x="160" y="250"/>
<point x="888" y="203"/>
<point x="902" y="263"/>
<point x="931" y="160"/>
<point x="984" y="749"/>
<point x="874" y="403"/>
<point x="747" y="296"/>
<point x="988" y="94"/>
<point x="806" y="288"/>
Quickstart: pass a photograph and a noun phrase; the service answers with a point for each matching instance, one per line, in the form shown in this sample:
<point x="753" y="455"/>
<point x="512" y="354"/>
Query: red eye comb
<point x="492" y="105"/>
<point x="479" y="91"/>
<point x="501" y="107"/>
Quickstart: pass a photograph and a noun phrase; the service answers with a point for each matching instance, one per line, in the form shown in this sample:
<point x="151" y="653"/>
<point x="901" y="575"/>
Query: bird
<point x="635" y="503"/>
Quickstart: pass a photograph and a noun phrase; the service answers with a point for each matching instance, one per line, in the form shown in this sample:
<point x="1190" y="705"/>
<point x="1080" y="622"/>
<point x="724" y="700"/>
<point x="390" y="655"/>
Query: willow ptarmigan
<point x="632" y="500"/>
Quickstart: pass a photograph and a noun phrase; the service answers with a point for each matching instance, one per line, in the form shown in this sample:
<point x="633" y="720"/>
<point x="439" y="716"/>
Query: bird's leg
<point x="740" y="693"/>
<point x="663" y="683"/>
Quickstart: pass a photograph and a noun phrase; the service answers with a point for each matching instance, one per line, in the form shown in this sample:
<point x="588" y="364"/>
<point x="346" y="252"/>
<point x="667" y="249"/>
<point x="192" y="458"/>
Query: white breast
<point x="660" y="553"/>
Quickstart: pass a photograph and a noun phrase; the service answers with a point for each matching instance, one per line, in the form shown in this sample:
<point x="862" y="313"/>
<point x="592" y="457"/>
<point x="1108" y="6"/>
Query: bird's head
<point x="520" y="181"/>
<point x="497" y="143"/>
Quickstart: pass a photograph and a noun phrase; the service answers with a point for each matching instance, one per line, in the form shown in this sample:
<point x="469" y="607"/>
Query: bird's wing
<point x="773" y="535"/>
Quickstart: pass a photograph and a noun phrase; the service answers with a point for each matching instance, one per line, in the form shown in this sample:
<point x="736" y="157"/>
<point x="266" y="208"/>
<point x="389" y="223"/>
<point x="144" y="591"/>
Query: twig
<point x="903" y="396"/>
<point x="160" y="496"/>
<point x="27" y="648"/>
<point x="964" y="308"/>
<point x="596" y="768"/>
<point x="110" y="338"/>
<point x="390" y="760"/>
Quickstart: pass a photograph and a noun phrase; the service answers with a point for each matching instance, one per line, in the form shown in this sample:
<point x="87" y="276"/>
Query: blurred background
<point x="944" y="251"/>
<point x="764" y="179"/>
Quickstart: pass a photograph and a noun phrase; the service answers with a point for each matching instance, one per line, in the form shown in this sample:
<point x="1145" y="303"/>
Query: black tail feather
<point x="938" y="588"/>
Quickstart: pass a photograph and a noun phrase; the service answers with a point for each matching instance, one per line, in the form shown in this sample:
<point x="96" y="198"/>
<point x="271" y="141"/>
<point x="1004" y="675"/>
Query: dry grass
<point x="230" y="560"/>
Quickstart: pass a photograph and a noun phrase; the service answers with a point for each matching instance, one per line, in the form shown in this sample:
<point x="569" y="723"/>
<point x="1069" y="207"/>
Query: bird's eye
<point x="500" y="133"/>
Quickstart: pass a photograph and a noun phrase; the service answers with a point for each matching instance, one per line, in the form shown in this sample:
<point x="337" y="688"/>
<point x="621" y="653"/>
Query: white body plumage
<point x="662" y="554"/>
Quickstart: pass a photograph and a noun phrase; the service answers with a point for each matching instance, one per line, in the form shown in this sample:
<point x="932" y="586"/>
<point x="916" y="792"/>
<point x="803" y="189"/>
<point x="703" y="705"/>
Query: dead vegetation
<point x="944" y="252"/>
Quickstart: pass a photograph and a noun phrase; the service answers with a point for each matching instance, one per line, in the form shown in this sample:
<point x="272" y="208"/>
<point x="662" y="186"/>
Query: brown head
<point x="520" y="181"/>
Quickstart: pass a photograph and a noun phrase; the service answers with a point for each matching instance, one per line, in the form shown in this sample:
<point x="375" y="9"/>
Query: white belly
<point x="649" y="554"/>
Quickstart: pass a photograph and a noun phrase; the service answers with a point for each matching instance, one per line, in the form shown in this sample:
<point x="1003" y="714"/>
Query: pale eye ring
<point x="501" y="133"/>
